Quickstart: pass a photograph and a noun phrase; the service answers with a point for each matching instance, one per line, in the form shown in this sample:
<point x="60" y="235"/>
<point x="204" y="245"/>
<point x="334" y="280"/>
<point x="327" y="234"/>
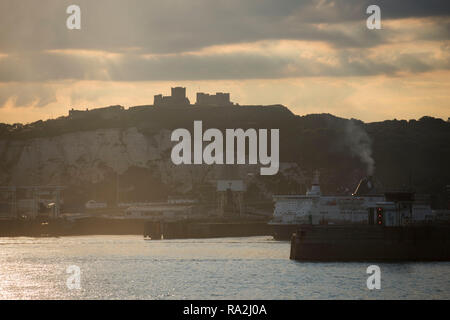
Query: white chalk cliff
<point x="86" y="156"/>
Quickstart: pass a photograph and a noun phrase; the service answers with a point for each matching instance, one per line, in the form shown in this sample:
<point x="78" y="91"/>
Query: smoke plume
<point x="360" y="144"/>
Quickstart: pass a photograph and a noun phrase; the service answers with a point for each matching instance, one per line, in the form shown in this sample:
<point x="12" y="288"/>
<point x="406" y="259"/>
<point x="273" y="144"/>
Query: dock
<point x="205" y="229"/>
<point x="197" y="228"/>
<point x="371" y="243"/>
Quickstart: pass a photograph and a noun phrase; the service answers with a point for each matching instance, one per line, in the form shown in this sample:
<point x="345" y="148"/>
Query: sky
<point x="313" y="56"/>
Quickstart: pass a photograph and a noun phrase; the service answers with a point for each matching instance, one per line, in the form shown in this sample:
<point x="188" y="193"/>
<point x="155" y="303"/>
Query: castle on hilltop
<point x="178" y="99"/>
<point x="105" y="112"/>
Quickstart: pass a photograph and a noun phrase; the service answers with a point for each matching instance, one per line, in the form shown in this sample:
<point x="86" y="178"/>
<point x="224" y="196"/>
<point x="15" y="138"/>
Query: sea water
<point x="129" y="267"/>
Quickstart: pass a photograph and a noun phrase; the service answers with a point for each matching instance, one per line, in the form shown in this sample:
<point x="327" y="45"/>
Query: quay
<point x="201" y="228"/>
<point x="371" y="243"/>
<point x="205" y="229"/>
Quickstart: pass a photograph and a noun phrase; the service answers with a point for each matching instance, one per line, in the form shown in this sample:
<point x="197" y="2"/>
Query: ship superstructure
<point x="364" y="206"/>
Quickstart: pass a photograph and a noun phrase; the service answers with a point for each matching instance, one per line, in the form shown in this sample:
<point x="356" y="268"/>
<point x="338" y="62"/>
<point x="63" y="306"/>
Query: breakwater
<point x="115" y="226"/>
<point x="205" y="229"/>
<point x="371" y="243"/>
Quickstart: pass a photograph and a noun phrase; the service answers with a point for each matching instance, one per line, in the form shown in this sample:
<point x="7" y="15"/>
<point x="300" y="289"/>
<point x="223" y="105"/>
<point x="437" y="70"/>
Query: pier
<point x="205" y="229"/>
<point x="371" y="243"/>
<point x="154" y="230"/>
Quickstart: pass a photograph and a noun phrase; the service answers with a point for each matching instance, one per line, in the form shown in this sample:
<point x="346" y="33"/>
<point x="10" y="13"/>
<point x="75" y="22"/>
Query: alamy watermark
<point x="213" y="153"/>
<point x="74" y="20"/>
<point x="74" y="280"/>
<point x="374" y="20"/>
<point x="374" y="280"/>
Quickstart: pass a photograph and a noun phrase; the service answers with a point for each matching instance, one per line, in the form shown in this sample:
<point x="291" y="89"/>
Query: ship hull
<point x="371" y="243"/>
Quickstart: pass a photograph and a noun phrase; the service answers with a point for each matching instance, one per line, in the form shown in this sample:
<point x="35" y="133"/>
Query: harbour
<point x="224" y="150"/>
<point x="126" y="267"/>
<point x="368" y="225"/>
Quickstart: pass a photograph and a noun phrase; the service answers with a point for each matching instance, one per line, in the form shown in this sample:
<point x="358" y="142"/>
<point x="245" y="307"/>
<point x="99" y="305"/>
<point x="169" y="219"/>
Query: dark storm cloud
<point x="183" y="25"/>
<point x="413" y="8"/>
<point x="30" y="29"/>
<point x="332" y="11"/>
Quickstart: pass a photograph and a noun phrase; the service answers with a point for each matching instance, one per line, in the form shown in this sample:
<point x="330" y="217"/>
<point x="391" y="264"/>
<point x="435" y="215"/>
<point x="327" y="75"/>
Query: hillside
<point x="90" y="151"/>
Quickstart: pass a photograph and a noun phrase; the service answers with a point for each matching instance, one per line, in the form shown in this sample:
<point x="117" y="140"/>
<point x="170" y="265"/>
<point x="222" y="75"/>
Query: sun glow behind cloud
<point x="312" y="56"/>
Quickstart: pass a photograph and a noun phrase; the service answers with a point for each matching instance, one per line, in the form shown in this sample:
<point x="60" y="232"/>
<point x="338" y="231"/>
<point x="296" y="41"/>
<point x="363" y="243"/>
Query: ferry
<point x="368" y="205"/>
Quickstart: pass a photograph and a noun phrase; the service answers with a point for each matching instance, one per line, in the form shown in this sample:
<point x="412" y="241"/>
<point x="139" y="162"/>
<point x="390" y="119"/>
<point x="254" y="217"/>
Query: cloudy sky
<point x="313" y="56"/>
